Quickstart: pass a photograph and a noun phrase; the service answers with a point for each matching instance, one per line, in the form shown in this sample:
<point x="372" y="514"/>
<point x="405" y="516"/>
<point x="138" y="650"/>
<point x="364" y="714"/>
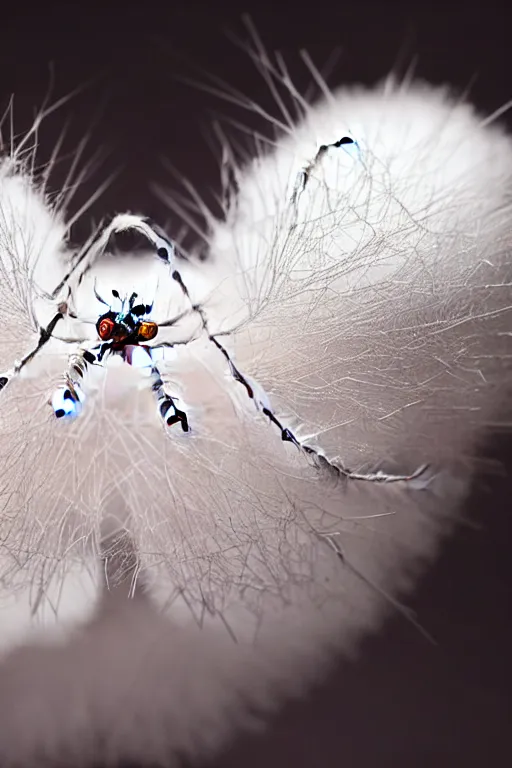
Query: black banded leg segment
<point x="70" y="394"/>
<point x="45" y="335"/>
<point x="169" y="411"/>
<point x="286" y="433"/>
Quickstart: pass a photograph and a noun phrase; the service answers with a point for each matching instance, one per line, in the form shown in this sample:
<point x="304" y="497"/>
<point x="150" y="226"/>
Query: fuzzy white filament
<point x="373" y="308"/>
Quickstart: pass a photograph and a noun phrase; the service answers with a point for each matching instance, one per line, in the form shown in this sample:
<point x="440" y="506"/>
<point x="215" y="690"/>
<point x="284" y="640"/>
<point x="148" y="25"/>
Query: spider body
<point x="123" y="333"/>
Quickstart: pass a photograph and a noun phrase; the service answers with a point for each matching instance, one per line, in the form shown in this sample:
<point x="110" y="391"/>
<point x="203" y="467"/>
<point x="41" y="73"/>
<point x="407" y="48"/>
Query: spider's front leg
<point x="144" y="357"/>
<point x="67" y="400"/>
<point x="45" y="334"/>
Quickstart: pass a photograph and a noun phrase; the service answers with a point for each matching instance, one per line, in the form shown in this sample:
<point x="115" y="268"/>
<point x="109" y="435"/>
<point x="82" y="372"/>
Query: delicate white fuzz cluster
<point x="373" y="305"/>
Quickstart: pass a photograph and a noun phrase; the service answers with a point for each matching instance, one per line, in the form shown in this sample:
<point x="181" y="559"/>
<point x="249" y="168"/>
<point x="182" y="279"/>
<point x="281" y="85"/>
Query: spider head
<point x="126" y="327"/>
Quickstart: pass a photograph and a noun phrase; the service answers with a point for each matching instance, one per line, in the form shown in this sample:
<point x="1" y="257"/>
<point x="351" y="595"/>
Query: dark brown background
<point x="405" y="703"/>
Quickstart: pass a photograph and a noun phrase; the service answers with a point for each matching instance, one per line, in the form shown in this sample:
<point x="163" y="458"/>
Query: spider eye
<point x="148" y="331"/>
<point x="106" y="327"/>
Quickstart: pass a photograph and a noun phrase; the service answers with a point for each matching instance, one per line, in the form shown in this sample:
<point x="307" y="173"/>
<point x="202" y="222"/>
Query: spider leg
<point x="304" y="175"/>
<point x="67" y="400"/>
<point x="193" y="307"/>
<point x="262" y="402"/>
<point x="45" y="335"/>
<point x="167" y="408"/>
<point x="164" y="248"/>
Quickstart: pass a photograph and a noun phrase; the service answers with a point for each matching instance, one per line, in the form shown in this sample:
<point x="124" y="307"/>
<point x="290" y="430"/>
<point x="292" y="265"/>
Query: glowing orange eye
<point x="106" y="328"/>
<point x="148" y="331"/>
